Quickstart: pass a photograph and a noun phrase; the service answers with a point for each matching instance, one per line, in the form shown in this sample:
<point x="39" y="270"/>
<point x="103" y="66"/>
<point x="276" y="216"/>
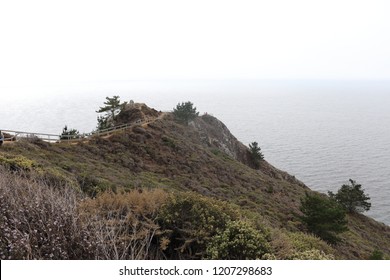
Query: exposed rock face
<point x="215" y="134"/>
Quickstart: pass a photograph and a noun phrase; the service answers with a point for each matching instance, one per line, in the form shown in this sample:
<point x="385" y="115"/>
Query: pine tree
<point x="323" y="216"/>
<point x="352" y="197"/>
<point x="256" y="154"/>
<point x="112" y="107"/>
<point x="69" y="134"/>
<point x="185" y="112"/>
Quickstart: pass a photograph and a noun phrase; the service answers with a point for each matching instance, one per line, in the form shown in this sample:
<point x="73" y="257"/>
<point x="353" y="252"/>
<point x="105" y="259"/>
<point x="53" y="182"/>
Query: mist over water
<point x="324" y="133"/>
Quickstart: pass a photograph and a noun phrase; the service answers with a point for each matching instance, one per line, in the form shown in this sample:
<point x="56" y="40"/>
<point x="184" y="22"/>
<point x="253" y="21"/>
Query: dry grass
<point x="42" y="222"/>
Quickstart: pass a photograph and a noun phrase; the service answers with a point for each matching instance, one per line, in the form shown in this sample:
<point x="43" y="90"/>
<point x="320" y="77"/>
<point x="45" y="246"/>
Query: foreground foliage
<point x="42" y="222"/>
<point x="124" y="224"/>
<point x="190" y="221"/>
<point x="39" y="222"/>
<point x="238" y="241"/>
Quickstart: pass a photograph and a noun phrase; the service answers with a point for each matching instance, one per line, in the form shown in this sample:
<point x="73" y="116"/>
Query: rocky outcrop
<point x="215" y="134"/>
<point x="136" y="112"/>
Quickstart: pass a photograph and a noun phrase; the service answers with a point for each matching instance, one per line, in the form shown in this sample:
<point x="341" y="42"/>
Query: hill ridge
<point x="204" y="158"/>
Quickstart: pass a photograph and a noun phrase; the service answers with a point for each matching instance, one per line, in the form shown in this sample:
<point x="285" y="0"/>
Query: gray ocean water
<point x="323" y="132"/>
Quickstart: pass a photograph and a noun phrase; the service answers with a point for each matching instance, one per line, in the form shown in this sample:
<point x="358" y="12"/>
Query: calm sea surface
<point x="324" y="133"/>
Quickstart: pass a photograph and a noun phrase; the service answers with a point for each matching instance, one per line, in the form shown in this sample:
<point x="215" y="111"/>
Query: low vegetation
<point x="44" y="222"/>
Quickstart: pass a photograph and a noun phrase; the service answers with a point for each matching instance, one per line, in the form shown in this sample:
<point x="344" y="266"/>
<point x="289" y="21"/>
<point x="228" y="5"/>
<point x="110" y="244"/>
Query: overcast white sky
<point x="43" y="42"/>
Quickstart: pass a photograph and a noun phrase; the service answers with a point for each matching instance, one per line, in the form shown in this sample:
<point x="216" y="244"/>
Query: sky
<point x="54" y="42"/>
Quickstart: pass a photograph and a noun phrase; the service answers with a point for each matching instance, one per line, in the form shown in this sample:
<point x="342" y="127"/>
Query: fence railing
<point x="29" y="135"/>
<point x="15" y="135"/>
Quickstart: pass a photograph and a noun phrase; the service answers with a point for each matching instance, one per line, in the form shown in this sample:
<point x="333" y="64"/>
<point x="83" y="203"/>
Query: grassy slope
<point x="175" y="157"/>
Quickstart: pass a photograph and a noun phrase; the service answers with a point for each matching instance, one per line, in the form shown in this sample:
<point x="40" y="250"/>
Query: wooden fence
<point x="56" y="138"/>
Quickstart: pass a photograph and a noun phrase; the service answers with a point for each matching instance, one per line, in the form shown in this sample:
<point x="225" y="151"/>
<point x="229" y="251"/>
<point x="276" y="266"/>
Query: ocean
<point x="323" y="132"/>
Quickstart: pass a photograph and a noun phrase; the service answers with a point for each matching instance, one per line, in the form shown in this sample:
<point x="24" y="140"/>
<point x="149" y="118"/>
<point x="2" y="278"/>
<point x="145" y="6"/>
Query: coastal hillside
<point x="161" y="189"/>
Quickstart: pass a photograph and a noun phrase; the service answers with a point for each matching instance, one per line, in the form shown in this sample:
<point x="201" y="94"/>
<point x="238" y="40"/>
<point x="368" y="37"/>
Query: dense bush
<point x="376" y="255"/>
<point x="293" y="245"/>
<point x="323" y="216"/>
<point x="238" y="241"/>
<point x="313" y="254"/>
<point x="17" y="163"/>
<point x="190" y="221"/>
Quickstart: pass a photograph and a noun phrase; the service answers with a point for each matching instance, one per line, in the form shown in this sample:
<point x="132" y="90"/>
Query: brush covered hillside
<point x="161" y="189"/>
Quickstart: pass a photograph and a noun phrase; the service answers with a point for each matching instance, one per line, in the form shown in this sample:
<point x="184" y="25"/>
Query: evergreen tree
<point x="352" y="197"/>
<point x="185" y="112"/>
<point x="323" y="216"/>
<point x="112" y="107"/>
<point x="256" y="154"/>
<point x="69" y="134"/>
<point x="103" y="123"/>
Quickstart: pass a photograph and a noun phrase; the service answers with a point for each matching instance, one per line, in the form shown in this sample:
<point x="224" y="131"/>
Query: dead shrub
<point x="40" y="222"/>
<point x="124" y="224"/>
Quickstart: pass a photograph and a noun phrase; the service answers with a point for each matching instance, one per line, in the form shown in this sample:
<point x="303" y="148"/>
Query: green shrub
<point x="376" y="255"/>
<point x="238" y="241"/>
<point x="92" y="185"/>
<point x="190" y="221"/>
<point x="54" y="177"/>
<point x="313" y="254"/>
<point x="288" y="245"/>
<point x="168" y="142"/>
<point x="17" y="163"/>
